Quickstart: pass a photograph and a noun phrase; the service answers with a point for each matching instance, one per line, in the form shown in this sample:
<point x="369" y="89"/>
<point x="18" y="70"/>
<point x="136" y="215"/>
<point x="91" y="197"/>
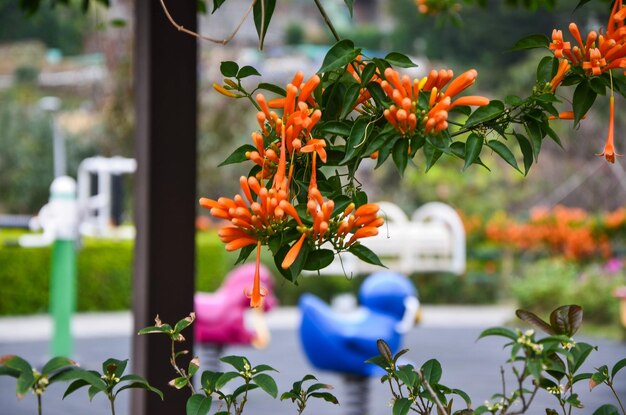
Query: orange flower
<point x="609" y="148"/>
<point x="403" y="114"/>
<point x="557" y="44"/>
<point x="564" y="66"/>
<point x="258" y="292"/>
<point x="291" y="256"/>
<point x="596" y="62"/>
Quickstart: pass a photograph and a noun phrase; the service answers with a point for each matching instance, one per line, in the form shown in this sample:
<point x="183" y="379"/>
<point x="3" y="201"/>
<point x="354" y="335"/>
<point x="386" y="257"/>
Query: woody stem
<point x="327" y="20"/>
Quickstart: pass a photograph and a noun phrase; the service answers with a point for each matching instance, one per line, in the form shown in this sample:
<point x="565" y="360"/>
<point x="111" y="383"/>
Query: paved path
<point x="447" y="333"/>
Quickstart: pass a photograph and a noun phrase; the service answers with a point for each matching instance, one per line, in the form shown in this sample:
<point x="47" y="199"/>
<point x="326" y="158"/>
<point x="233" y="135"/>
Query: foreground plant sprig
<point x="416" y="390"/>
<point x="111" y="381"/>
<point x="29" y="379"/>
<point x="213" y="382"/>
<point x="551" y="364"/>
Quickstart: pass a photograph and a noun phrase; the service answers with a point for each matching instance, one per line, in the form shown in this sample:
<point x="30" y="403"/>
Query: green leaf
<point x="114" y="366"/>
<point x="239" y="155"/>
<point x="598" y="86"/>
<point x="368" y="73"/>
<point x="407" y="375"/>
<point x="57" y="363"/>
<point x="432" y="154"/>
<point x="179" y="382"/>
<point x="606" y="409"/>
<point x="578" y="354"/>
<point x="349" y="5"/>
<point x="487" y="113"/>
<point x="432" y="371"/>
<point x="267" y="383"/>
<point x="583" y="99"/>
<point x="229" y="69"/>
<point x="401" y="406"/>
<point x="272" y="88"/>
<point x="318" y="259"/>
<point x="376" y="91"/>
<point x="531" y="42"/>
<point x="400" y="155"/>
<point x="545" y="69"/>
<point x="499" y="331"/>
<point x="9" y="372"/>
<point x="365" y="254"/>
<point x="263" y="11"/>
<point x="534" y="320"/>
<point x="225" y="378"/>
<point x="247" y="71"/>
<point x="464" y="396"/>
<point x="74" y="386"/>
<point x="339" y="55"/>
<point x="533" y="128"/>
<point x="513" y="100"/>
<point x="24" y="383"/>
<point x="92" y="391"/>
<point x="244" y="388"/>
<point x="566" y="319"/>
<point x="198" y="405"/>
<point x="355" y="142"/>
<point x="400" y="60"/>
<point x="617" y="367"/>
<point x="503" y="151"/>
<point x="527" y="151"/>
<point x="140" y="385"/>
<point x="264" y="368"/>
<point x="238" y="362"/>
<point x="217" y="4"/>
<point x="335" y="128"/>
<point x="165" y="328"/>
<point x="473" y="146"/>
<point x="327" y="396"/>
<point x="350" y="98"/>
<point x="201" y="7"/>
<point x="183" y="324"/>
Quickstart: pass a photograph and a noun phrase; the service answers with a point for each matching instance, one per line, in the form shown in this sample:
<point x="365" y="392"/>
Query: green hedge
<point x="105" y="269"/>
<point x="548" y="283"/>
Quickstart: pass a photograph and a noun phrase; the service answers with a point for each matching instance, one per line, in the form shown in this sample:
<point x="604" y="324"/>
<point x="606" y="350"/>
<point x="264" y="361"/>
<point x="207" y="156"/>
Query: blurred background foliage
<point x="99" y="121"/>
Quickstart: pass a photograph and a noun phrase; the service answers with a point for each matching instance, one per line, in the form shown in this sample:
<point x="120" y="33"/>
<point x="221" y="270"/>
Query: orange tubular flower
<point x="557" y="44"/>
<point x="609" y="148"/>
<point x="564" y="66"/>
<point x="596" y="62"/>
<point x="403" y="114"/>
<point x="258" y="292"/>
<point x="291" y="256"/>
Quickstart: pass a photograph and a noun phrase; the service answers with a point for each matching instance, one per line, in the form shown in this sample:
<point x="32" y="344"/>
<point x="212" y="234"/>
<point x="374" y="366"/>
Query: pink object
<point x="220" y="315"/>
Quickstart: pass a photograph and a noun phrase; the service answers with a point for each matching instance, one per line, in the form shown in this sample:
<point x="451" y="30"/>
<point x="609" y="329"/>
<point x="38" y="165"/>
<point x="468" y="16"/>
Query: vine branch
<point x="224" y="41"/>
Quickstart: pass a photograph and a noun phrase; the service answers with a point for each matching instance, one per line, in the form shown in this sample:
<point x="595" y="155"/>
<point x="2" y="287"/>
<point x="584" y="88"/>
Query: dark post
<point x="165" y="194"/>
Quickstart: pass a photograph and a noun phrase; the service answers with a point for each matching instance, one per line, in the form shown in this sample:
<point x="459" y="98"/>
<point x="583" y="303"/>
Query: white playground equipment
<point x="433" y="240"/>
<point x="88" y="208"/>
<point x="96" y="207"/>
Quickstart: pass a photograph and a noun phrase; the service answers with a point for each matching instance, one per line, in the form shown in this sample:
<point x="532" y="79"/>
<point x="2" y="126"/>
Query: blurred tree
<point x="62" y="28"/>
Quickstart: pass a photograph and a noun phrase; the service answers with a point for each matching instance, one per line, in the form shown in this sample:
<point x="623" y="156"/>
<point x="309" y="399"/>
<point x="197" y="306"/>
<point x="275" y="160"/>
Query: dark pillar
<point x="165" y="191"/>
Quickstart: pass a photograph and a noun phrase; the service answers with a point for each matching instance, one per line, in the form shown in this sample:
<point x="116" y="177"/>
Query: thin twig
<point x="432" y="393"/>
<point x="224" y="41"/>
<point x="327" y="20"/>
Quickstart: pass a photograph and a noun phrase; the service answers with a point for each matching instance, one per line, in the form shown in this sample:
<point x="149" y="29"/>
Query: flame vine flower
<point x="593" y="57"/>
<point x="300" y="197"/>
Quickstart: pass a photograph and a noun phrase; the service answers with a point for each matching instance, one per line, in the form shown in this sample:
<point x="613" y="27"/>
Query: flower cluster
<point x="411" y="116"/>
<point x="268" y="204"/>
<point x="566" y="231"/>
<point x="599" y="53"/>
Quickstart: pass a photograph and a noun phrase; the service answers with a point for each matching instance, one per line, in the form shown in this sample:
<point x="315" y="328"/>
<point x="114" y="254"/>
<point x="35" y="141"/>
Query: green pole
<point x="62" y="295"/>
<point x="60" y="216"/>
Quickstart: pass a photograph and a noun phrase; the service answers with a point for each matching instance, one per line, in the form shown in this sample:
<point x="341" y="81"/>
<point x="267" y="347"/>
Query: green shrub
<point x="556" y="281"/>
